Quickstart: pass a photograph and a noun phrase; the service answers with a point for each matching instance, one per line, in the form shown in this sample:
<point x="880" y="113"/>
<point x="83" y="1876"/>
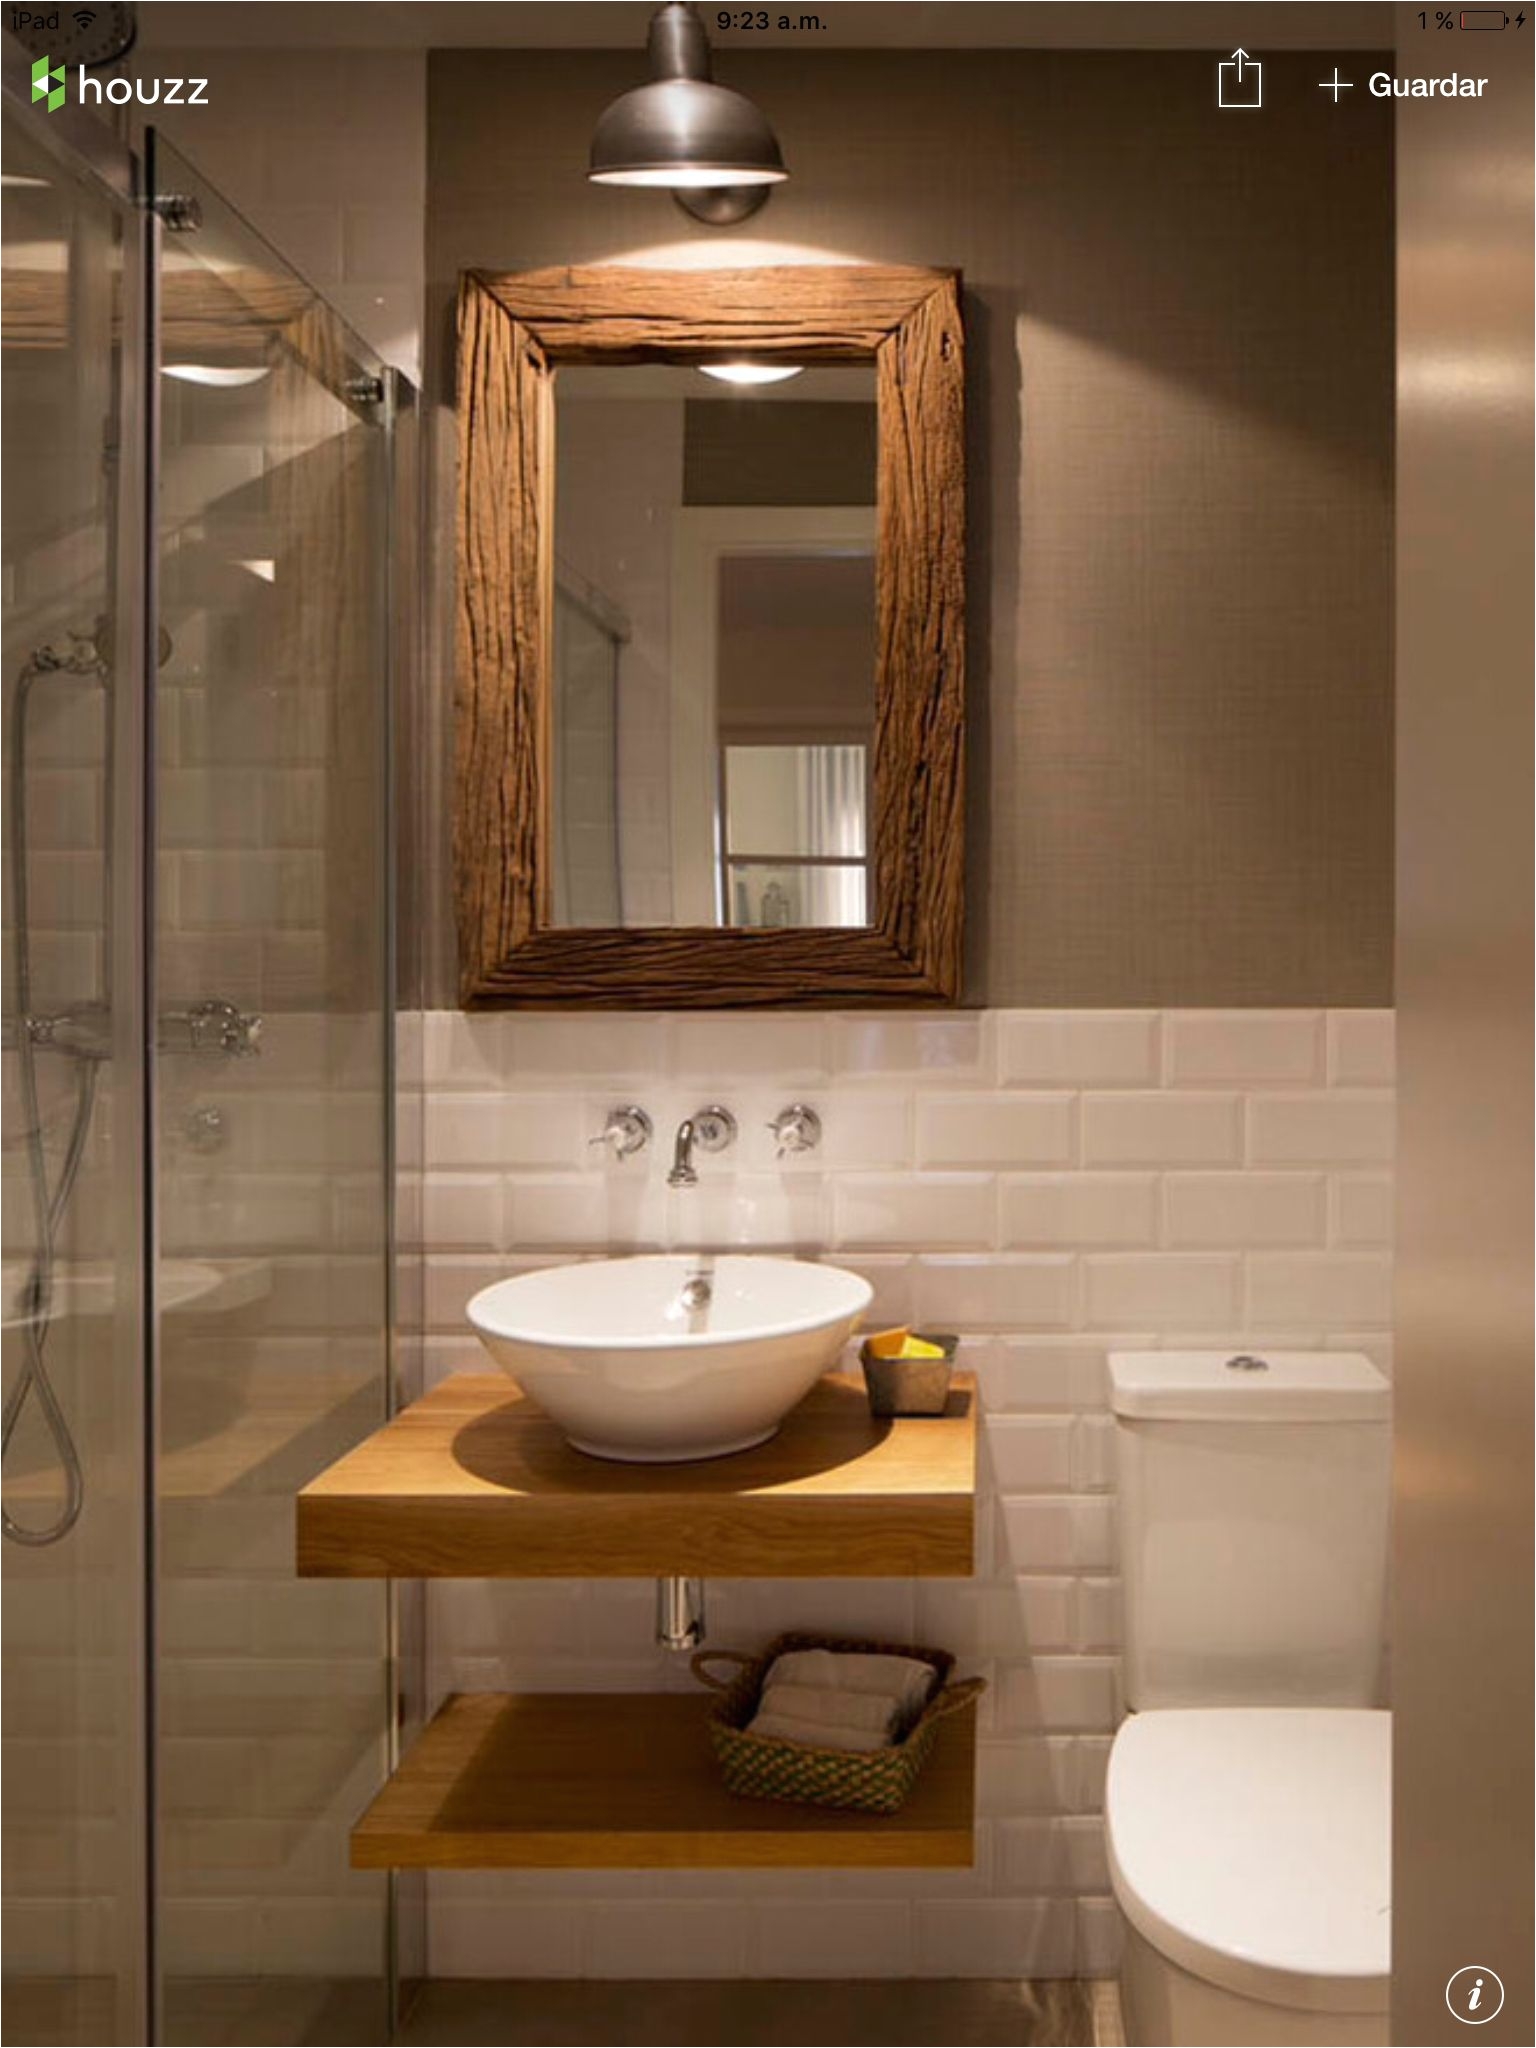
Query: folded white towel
<point x="905" y="1681"/>
<point x="839" y="1709"/>
<point x="817" y="1734"/>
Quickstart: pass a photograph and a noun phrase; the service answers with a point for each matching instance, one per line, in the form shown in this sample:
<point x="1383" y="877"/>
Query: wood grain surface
<point x="514" y="330"/>
<point x="628" y="1781"/>
<point x="476" y="1481"/>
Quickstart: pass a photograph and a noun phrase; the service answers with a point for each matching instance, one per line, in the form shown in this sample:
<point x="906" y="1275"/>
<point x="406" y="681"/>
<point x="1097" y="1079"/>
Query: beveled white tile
<point x="1018" y="1374"/>
<point x="1052" y="1854"/>
<point x="891" y="1276"/>
<point x="670" y="1938"/>
<point x="1026" y="1774"/>
<point x="1009" y="1292"/>
<point x="741" y="1211"/>
<point x="1362" y="1210"/>
<point x="1058" y="1694"/>
<point x="531" y="1938"/>
<point x="585" y="1212"/>
<point x="1362" y="1048"/>
<point x="1040" y="1535"/>
<point x="1165" y="1129"/>
<point x="724" y="1050"/>
<point x="608" y="1048"/>
<point x="994" y="1130"/>
<point x="452" y="1277"/>
<point x="1092" y="1764"/>
<point x="879" y="1212"/>
<point x="1078" y="1048"/>
<point x="861" y="1131"/>
<point x="1235" y="1209"/>
<point x="955" y="1048"/>
<point x="463" y="1211"/>
<point x="1099" y="1621"/>
<point x="503" y="1130"/>
<point x="1075" y="1210"/>
<point x="1337" y="1288"/>
<point x="996" y="1938"/>
<point x="1100" y="1937"/>
<point x="1188" y="1288"/>
<point x="1028" y="1453"/>
<point x="1093" y="1453"/>
<point x="1336" y="1128"/>
<point x="833" y="1938"/>
<point x="1014" y="1618"/>
<point x="1227" y="1046"/>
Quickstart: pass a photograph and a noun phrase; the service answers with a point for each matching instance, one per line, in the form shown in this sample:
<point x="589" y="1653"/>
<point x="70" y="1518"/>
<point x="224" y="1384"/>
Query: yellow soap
<point x="901" y="1343"/>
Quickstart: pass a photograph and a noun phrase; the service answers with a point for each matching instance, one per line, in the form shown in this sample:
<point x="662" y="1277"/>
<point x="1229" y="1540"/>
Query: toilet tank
<point x="1253" y="1493"/>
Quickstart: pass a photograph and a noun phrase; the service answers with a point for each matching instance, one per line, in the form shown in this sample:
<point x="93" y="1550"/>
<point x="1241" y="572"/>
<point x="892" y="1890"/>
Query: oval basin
<point x="673" y="1356"/>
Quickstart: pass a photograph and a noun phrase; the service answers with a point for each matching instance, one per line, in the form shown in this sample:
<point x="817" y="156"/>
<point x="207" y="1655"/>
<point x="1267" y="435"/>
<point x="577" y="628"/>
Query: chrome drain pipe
<point x="679" y="1613"/>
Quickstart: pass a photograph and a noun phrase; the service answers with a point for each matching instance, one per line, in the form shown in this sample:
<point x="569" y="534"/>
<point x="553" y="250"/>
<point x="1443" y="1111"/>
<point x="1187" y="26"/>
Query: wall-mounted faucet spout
<point x="684" y="1173"/>
<point x="711" y="1129"/>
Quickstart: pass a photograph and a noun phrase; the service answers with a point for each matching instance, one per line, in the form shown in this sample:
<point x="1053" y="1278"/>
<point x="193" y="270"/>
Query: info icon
<point x="1475" y="1995"/>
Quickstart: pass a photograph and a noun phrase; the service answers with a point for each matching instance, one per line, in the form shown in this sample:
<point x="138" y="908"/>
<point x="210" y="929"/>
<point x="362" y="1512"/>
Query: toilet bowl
<point x="1248" y="1803"/>
<point x="1250" y="1853"/>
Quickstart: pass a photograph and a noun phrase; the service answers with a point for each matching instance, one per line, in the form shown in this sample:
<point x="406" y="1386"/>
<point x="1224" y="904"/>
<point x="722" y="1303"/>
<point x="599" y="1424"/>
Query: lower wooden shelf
<point x="593" y="1780"/>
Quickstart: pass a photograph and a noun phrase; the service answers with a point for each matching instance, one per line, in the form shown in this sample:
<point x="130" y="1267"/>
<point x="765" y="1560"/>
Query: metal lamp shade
<point x="710" y="146"/>
<point x="683" y="132"/>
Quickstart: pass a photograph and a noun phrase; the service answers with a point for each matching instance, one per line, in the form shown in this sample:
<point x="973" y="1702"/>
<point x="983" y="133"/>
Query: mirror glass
<point x="714" y="647"/>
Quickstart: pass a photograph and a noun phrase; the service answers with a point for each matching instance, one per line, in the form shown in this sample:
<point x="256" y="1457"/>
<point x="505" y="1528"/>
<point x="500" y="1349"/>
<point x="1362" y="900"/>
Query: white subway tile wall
<point x="1050" y="1184"/>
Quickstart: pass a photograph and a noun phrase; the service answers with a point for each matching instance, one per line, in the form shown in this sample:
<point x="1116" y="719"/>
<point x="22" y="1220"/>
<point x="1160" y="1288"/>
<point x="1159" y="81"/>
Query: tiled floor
<point x="467" y="2013"/>
<point x="946" y="2013"/>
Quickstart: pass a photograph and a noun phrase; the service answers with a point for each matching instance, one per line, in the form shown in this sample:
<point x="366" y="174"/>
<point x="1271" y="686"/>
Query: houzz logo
<point x="48" y="83"/>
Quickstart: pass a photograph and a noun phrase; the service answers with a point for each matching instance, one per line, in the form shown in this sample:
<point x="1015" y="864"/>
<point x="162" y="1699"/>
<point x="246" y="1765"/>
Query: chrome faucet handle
<point x="796" y="1129"/>
<point x="213" y="1027"/>
<point x="627" y="1131"/>
<point x="714" y="1128"/>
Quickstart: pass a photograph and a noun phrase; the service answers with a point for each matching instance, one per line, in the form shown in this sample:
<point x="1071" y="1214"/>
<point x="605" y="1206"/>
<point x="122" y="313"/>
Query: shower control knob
<point x="627" y="1131"/>
<point x="796" y="1129"/>
<point x="205" y="1129"/>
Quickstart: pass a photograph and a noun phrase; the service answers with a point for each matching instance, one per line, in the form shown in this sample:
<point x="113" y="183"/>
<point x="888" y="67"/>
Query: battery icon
<point x="1484" y="17"/>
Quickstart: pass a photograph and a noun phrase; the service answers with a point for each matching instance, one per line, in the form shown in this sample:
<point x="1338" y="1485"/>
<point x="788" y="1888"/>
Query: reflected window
<point x="796" y="835"/>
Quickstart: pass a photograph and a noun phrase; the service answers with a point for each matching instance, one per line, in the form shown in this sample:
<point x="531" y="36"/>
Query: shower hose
<point x="50" y="1199"/>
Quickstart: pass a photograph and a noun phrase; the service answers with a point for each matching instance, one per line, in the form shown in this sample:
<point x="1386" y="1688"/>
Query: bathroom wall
<point x="1051" y="1184"/>
<point x="1180" y="383"/>
<point x="1462" y="1838"/>
<point x="1180" y="348"/>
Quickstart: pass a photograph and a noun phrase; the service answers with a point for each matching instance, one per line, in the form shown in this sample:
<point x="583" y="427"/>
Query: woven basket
<point x="868" y="1781"/>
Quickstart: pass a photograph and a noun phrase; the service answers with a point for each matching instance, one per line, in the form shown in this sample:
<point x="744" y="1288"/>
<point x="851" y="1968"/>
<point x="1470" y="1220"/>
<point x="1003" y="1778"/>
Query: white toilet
<point x="1248" y="1806"/>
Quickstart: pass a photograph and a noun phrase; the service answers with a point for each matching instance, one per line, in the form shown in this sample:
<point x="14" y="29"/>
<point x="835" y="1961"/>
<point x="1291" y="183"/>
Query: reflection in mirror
<point x="714" y="648"/>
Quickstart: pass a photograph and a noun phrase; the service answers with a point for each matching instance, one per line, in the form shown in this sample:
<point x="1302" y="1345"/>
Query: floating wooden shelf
<point x="628" y="1781"/>
<point x="475" y="1481"/>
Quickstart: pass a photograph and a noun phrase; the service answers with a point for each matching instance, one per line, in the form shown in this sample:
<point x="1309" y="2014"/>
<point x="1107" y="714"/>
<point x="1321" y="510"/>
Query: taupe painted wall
<point x="1462" y="1629"/>
<point x="1181" y="332"/>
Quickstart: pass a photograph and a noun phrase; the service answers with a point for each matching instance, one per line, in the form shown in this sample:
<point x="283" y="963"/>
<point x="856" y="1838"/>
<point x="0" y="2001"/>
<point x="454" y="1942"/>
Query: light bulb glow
<point x="217" y="376"/>
<point x="752" y="373"/>
<point x="687" y="177"/>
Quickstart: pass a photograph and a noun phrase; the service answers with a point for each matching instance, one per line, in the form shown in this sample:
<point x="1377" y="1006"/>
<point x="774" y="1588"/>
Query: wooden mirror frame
<point x="514" y="331"/>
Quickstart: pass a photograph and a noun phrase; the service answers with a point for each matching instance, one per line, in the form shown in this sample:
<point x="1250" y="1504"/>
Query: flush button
<point x="1244" y="1361"/>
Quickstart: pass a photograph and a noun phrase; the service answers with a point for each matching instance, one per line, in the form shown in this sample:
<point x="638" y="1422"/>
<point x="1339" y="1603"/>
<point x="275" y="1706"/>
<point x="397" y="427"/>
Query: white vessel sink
<point x="655" y="1360"/>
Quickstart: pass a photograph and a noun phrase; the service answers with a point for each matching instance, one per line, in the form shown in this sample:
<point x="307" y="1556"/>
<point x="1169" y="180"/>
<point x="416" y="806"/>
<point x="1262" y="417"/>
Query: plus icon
<point x="1335" y="85"/>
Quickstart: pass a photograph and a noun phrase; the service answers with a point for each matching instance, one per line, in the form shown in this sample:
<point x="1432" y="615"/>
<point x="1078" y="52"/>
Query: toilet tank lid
<point x="1248" y="1386"/>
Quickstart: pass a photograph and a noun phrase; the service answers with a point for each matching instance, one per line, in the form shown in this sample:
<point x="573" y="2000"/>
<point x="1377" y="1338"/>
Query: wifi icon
<point x="83" y="17"/>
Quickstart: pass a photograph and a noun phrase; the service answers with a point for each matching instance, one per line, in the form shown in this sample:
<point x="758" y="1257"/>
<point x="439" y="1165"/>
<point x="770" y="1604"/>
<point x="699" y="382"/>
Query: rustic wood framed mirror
<point x="710" y="689"/>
